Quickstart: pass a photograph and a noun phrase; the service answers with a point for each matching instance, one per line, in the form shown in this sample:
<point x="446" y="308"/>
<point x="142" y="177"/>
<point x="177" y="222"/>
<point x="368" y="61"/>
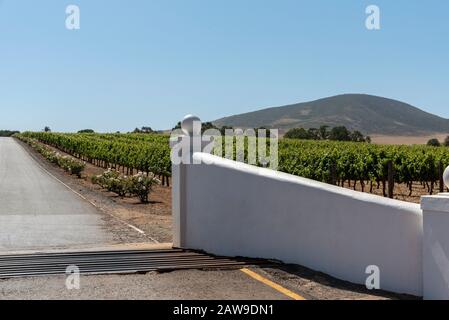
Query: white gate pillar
<point x="436" y="244"/>
<point x="191" y="129"/>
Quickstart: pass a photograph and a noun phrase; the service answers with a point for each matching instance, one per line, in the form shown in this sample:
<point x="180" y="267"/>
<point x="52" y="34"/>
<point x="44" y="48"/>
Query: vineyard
<point x="367" y="166"/>
<point x="124" y="152"/>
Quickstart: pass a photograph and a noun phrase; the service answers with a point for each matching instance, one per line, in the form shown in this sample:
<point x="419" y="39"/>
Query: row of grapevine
<point x="362" y="162"/>
<point x="148" y="154"/>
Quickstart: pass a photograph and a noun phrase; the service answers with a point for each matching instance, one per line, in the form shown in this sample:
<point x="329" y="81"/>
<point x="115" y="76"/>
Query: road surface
<point x="37" y="211"/>
<point x="186" y="284"/>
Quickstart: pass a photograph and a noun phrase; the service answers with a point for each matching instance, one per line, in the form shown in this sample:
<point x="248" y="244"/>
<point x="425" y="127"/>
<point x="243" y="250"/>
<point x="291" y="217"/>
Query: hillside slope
<point x="366" y="113"/>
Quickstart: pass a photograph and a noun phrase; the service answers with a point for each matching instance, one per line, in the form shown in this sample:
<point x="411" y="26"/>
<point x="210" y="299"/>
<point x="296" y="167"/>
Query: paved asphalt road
<point x="188" y="284"/>
<point x="37" y="211"/>
<point x="191" y="285"/>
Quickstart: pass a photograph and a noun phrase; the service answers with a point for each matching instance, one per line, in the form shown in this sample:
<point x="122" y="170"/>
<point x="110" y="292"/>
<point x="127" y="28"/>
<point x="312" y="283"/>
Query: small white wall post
<point x="176" y="205"/>
<point x="436" y="244"/>
<point x="191" y="128"/>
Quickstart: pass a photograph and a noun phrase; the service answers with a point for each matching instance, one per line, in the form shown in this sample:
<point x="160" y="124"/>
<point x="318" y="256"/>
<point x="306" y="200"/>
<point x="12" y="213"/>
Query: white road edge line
<point x="84" y="198"/>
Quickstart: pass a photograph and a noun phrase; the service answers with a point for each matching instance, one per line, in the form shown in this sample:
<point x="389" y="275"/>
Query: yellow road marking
<point x="273" y="285"/>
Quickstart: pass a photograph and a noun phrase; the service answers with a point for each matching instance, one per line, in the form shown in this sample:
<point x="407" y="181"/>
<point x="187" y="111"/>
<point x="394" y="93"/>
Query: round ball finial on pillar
<point x="446" y="177"/>
<point x="191" y="125"/>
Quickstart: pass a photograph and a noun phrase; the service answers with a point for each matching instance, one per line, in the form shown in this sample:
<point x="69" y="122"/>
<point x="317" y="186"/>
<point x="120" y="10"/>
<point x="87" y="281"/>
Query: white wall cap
<point x="438" y="202"/>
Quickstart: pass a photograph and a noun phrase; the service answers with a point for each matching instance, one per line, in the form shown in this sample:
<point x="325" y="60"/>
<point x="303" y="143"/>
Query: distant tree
<point x="7" y="133"/>
<point x="433" y="142"/>
<point x="263" y="129"/>
<point x="147" y="130"/>
<point x="357" y="136"/>
<point x="297" y="133"/>
<point x="86" y="131"/>
<point x="47" y="129"/>
<point x="314" y="133"/>
<point x="324" y="133"/>
<point x="224" y="128"/>
<point x="178" y="126"/>
<point x="336" y="134"/>
<point x="207" y="125"/>
<point x="340" y="134"/>
<point x="143" y="130"/>
<point x="446" y="141"/>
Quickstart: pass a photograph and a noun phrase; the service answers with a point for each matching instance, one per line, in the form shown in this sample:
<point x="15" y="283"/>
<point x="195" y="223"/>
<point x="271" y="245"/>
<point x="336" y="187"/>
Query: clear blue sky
<point x="150" y="62"/>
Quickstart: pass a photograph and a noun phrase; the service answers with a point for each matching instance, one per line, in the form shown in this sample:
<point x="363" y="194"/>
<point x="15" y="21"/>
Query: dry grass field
<point x="408" y="140"/>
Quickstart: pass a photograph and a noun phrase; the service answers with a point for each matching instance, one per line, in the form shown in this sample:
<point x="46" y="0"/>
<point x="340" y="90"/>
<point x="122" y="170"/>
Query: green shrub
<point x="104" y="180"/>
<point x="67" y="163"/>
<point x="139" y="185"/>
